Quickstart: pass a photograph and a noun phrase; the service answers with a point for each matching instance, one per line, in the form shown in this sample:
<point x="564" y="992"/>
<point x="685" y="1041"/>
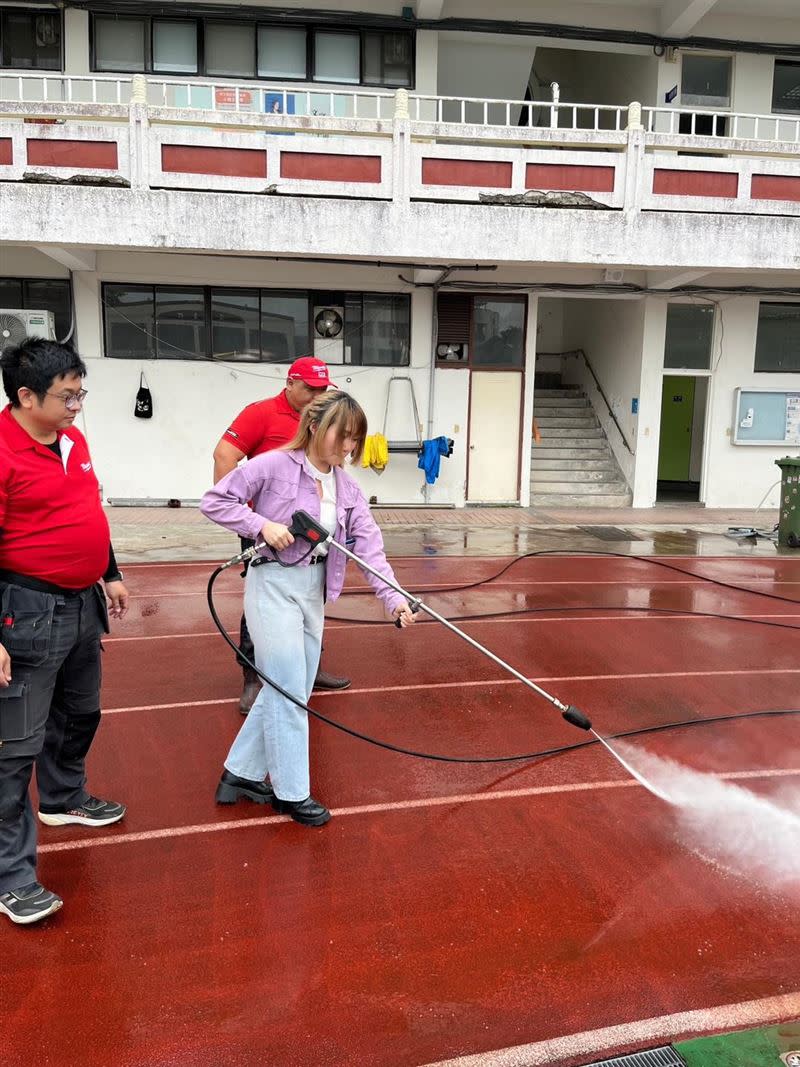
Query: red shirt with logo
<point x="262" y="426"/>
<point x="52" y="523"/>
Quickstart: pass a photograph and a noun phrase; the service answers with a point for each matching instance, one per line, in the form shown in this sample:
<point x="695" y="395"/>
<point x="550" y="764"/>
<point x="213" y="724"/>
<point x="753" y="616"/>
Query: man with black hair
<point x="55" y="545"/>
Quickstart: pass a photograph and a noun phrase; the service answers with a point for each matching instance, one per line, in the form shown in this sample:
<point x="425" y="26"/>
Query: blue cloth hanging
<point x="430" y="456"/>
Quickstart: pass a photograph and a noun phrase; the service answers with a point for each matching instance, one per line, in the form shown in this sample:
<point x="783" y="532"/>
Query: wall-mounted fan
<point x="329" y="322"/>
<point x="329" y="334"/>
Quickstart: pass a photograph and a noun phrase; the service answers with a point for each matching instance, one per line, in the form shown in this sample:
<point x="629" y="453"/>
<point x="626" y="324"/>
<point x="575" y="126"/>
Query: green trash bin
<point x="789" y="517"/>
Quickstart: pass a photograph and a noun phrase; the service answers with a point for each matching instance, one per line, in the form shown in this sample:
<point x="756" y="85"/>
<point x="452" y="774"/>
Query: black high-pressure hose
<point x="518" y="757"/>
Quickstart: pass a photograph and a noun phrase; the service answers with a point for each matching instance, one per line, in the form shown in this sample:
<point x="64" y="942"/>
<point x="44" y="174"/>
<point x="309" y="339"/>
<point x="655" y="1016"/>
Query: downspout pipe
<point x="432" y="373"/>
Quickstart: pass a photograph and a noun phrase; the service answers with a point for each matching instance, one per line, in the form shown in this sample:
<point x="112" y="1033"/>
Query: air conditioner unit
<point x="16" y="325"/>
<point x="329" y="333"/>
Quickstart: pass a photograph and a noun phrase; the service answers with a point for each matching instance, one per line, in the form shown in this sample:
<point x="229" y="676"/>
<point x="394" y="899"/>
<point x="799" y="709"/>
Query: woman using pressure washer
<point x="284" y="605"/>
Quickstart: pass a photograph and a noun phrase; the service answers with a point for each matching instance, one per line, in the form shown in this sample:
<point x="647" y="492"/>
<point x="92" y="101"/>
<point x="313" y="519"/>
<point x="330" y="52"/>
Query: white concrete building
<point x="187" y="186"/>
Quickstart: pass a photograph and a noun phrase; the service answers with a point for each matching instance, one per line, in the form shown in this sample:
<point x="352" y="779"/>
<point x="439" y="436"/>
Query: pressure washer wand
<point x="303" y="525"/>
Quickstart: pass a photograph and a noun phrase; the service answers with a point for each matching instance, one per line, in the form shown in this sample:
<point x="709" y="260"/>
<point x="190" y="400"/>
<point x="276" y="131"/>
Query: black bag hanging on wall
<point x="143" y="408"/>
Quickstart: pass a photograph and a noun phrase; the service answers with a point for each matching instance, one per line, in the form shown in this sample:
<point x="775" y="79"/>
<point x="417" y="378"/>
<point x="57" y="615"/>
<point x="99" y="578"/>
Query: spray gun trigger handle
<point x="414" y="605"/>
<point x="577" y="718"/>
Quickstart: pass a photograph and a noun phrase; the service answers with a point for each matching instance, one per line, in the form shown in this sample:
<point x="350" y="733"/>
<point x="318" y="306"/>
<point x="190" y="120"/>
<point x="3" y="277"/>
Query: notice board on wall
<point x="766" y="417"/>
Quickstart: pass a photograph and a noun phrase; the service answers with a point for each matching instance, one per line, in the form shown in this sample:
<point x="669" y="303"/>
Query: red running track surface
<point x="447" y="910"/>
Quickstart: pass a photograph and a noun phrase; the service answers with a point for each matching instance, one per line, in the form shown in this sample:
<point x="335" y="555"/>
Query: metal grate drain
<point x="610" y="533"/>
<point x="654" y="1057"/>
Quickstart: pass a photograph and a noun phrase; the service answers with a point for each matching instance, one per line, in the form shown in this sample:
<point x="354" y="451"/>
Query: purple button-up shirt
<point x="278" y="485"/>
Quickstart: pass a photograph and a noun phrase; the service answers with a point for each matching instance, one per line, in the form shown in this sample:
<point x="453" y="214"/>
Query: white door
<point x="494" y="437"/>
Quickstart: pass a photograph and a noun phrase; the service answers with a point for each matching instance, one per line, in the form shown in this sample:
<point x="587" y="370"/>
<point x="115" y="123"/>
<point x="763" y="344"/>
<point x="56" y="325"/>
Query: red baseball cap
<point x="311" y="371"/>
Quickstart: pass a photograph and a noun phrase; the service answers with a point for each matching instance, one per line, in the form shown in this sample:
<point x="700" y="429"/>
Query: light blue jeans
<point x="284" y="608"/>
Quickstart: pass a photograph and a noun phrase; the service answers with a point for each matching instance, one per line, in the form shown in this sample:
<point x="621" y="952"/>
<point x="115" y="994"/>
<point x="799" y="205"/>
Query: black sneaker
<point x="92" y="812"/>
<point x="29" y="904"/>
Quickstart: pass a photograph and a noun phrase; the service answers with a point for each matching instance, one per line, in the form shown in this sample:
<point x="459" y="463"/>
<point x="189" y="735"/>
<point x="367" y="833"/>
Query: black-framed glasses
<point x="71" y="400"/>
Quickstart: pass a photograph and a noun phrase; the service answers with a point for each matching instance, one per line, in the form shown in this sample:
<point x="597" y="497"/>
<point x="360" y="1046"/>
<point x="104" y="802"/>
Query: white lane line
<point x="590" y="1043"/>
<point x="475" y="683"/>
<point x="343" y="624"/>
<point x="371" y="809"/>
<point x="500" y="583"/>
<point x="166" y="707"/>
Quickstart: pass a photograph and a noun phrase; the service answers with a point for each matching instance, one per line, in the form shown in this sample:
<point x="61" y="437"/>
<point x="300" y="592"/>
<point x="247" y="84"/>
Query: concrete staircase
<point x="574" y="465"/>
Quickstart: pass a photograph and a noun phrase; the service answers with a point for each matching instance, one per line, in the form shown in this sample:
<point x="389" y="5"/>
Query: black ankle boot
<point x="309" y="812"/>
<point x="231" y="788"/>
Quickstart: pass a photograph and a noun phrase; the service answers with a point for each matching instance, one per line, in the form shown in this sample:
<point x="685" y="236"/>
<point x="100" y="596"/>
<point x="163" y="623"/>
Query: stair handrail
<point x="580" y="352"/>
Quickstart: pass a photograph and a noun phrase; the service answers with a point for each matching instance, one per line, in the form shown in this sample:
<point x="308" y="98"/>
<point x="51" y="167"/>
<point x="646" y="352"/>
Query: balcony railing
<point x="730" y="125"/>
<point x="256" y="98"/>
<point x="70" y="89"/>
<point x="172" y="133"/>
<point x="533" y="114"/>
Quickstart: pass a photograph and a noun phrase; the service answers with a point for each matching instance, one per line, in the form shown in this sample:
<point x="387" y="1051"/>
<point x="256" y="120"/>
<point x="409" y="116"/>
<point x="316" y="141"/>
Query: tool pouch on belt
<point x="102" y="607"/>
<point x="15" y="717"/>
<point x="26" y="616"/>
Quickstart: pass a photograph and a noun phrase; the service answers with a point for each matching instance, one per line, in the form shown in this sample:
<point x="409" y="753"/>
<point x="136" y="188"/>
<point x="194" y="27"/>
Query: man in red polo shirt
<point x="55" y="546"/>
<point x="262" y="426"/>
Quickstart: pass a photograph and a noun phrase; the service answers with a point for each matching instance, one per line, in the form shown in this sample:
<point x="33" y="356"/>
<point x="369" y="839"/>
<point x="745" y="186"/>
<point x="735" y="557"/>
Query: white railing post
<point x="635" y="116"/>
<point x="401" y="104"/>
<point x="401" y="148"/>
<point x="139" y="134"/>
<point x="634" y="159"/>
<point x="554" y="107"/>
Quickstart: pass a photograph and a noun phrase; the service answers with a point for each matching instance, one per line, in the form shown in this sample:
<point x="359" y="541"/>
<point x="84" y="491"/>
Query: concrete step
<point x="572" y="500"/>
<point x="566" y="392"/>
<point x="578" y="475"/>
<point x="581" y="488"/>
<point x="578" y="422"/>
<point x="556" y="500"/>
<point x="559" y="435"/>
<point x="542" y="401"/>
<point x="567" y="463"/>
<point x="582" y="451"/>
<point x="572" y="442"/>
<point x="559" y="412"/>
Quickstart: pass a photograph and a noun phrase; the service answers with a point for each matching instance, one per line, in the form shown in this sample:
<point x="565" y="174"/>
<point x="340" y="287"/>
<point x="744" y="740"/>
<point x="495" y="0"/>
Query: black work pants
<point x="48" y="717"/>
<point x="246" y="646"/>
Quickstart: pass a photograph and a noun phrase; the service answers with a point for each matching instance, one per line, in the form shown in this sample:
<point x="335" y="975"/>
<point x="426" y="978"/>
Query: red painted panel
<point x="6" y="151"/>
<point x="775" y="187"/>
<point x="322" y="167"/>
<point x="695" y="183"/>
<point x="568" y="176"/>
<point x="97" y="155"/>
<point x="203" y="159"/>
<point x="466" y="172"/>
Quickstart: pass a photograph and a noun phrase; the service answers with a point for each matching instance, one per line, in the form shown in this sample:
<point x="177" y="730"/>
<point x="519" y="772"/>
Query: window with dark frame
<point x="786" y="86"/>
<point x="480" y="331"/>
<point x="217" y="48"/>
<point x="778" y="339"/>
<point x="30" y="39"/>
<point x="689" y="336"/>
<point x="251" y="325"/>
<point x="174" y="46"/>
<point x="706" y="80"/>
<point x="40" y="294"/>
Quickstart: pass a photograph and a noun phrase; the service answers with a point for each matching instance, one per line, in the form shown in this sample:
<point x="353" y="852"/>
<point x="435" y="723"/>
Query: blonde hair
<point x="332" y="408"/>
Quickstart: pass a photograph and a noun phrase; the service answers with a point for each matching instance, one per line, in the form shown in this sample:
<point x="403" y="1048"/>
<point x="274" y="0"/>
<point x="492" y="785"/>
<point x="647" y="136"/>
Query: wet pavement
<point x="153" y="534"/>
<point x="449" y="911"/>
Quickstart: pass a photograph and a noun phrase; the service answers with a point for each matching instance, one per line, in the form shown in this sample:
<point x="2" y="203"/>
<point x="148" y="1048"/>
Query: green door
<point x="675" y="441"/>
